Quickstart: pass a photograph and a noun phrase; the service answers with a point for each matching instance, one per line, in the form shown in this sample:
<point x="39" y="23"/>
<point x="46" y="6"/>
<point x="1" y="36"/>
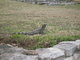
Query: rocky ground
<point x="67" y="50"/>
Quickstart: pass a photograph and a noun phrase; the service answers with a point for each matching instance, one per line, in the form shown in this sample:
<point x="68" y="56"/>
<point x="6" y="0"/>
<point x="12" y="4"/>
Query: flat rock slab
<point x="67" y="42"/>
<point x="16" y="56"/>
<point x="50" y="54"/>
<point x="77" y="42"/>
<point x="24" y="57"/>
<point x="68" y="48"/>
<point x="8" y="52"/>
<point x="10" y="49"/>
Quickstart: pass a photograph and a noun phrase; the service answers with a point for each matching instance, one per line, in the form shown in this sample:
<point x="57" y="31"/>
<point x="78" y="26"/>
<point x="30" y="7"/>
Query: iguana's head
<point x="44" y="25"/>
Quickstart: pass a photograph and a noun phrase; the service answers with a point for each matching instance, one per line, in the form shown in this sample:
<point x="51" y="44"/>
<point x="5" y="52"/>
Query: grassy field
<point x="63" y="23"/>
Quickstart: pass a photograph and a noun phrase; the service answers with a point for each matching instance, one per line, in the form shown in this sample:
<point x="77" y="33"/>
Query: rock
<point x="6" y="56"/>
<point x="15" y="56"/>
<point x="5" y="49"/>
<point x="69" y="48"/>
<point x="67" y="42"/>
<point x="32" y="57"/>
<point x="63" y="51"/>
<point x="69" y="58"/>
<point x="50" y="54"/>
<point x="77" y="42"/>
<point x="24" y="57"/>
<point x="76" y="55"/>
<point x="8" y="52"/>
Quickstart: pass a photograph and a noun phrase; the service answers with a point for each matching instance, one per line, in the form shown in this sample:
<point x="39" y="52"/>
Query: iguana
<point x="36" y="31"/>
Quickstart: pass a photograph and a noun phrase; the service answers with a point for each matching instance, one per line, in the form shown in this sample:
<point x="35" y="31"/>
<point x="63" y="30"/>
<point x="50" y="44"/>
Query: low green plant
<point x="40" y="41"/>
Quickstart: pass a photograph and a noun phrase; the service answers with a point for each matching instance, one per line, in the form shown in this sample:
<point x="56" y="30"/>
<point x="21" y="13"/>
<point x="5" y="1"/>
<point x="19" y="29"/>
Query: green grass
<point x="38" y="41"/>
<point x="63" y="23"/>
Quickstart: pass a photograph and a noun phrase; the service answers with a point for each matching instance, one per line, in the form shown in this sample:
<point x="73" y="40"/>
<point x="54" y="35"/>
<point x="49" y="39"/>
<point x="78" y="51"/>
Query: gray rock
<point x="69" y="48"/>
<point x="6" y="56"/>
<point x="50" y="54"/>
<point x="67" y="42"/>
<point x="8" y="52"/>
<point x="77" y="42"/>
<point x="17" y="56"/>
<point x="24" y="57"/>
<point x="69" y="58"/>
<point x="8" y="49"/>
<point x="63" y="51"/>
<point x="32" y="57"/>
<point x="76" y="55"/>
<point x="5" y="49"/>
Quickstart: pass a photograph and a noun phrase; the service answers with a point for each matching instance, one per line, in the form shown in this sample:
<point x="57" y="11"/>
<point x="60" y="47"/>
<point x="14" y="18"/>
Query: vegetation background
<point x="63" y="23"/>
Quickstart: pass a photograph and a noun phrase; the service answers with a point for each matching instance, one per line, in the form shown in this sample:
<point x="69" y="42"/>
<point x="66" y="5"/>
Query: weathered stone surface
<point x="8" y="52"/>
<point x="67" y="47"/>
<point x="77" y="42"/>
<point x="32" y="57"/>
<point x="50" y="54"/>
<point x="12" y="56"/>
<point x="63" y="51"/>
<point x="67" y="42"/>
<point x="10" y="49"/>
<point x="5" y="49"/>
<point x="76" y="55"/>
<point x="69" y="58"/>
<point x="24" y="57"/>
<point x="16" y="56"/>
